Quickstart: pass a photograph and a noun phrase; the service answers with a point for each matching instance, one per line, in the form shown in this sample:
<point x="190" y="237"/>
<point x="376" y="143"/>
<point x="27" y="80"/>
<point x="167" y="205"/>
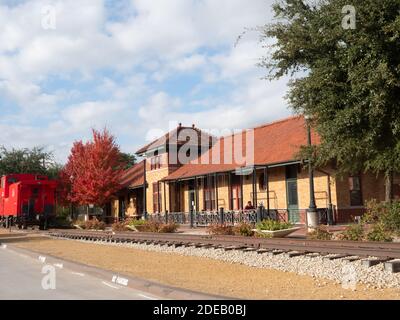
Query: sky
<point x="137" y="67"/>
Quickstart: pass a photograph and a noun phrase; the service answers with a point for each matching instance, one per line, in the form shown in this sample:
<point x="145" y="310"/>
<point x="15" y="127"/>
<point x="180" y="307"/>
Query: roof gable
<point x="178" y="137"/>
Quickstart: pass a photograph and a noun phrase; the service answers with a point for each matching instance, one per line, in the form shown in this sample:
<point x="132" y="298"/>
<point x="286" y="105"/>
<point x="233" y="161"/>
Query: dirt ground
<point x="201" y="274"/>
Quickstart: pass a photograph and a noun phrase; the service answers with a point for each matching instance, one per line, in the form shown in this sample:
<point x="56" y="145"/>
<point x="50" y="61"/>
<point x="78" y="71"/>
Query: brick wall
<point x="372" y="187"/>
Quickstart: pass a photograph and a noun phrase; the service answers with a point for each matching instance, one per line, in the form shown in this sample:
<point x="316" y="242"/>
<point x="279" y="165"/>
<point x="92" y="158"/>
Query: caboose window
<point x="12" y="180"/>
<point x="35" y="192"/>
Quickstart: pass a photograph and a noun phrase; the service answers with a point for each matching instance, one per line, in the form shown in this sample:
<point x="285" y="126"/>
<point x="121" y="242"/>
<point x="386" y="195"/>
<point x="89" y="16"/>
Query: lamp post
<point x="312" y="214"/>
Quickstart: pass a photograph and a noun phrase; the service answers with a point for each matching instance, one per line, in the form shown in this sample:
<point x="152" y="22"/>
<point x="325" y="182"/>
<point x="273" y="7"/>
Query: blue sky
<point x="138" y="67"/>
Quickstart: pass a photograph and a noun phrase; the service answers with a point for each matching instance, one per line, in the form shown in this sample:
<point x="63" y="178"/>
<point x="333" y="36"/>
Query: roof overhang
<point x="241" y="170"/>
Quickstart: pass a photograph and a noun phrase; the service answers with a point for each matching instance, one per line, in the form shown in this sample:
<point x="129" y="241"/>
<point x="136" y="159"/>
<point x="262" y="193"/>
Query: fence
<point x="199" y="219"/>
<point x="205" y="218"/>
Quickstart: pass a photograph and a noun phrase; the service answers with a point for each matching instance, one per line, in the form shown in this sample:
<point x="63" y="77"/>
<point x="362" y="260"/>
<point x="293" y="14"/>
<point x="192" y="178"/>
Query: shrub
<point x="378" y="233"/>
<point x="94" y="224"/>
<point x="220" y="229"/>
<point x="243" y="229"/>
<point x="120" y="226"/>
<point x="151" y="226"/>
<point x="353" y="233"/>
<point x="168" y="228"/>
<point x="135" y="222"/>
<point x="384" y="213"/>
<point x="273" y="225"/>
<point x="259" y="234"/>
<point x="320" y="233"/>
<point x="60" y="222"/>
<point x="155" y="226"/>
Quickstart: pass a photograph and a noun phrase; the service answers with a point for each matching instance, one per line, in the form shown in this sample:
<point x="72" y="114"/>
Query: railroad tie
<point x="393" y="266"/>
<point x="373" y="262"/>
<point x="334" y="257"/>
<point x="249" y="249"/>
<point x="189" y="244"/>
<point x="275" y="252"/>
<point x="240" y="247"/>
<point x="292" y="254"/>
<point x="351" y="259"/>
<point x="202" y="245"/>
<point x="229" y="248"/>
<point x="313" y="254"/>
<point x="261" y="251"/>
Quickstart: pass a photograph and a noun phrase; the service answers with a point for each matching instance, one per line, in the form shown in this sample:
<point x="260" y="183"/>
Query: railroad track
<point x="292" y="247"/>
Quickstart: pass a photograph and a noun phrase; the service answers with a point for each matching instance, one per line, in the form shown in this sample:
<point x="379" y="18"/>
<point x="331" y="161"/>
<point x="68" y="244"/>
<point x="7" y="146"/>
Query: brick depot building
<point x="276" y="179"/>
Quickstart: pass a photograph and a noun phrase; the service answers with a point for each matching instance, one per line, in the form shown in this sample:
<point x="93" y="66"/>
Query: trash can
<point x="312" y="219"/>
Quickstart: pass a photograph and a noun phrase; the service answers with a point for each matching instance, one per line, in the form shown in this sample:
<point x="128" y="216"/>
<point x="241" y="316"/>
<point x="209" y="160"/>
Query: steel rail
<point x="350" y="248"/>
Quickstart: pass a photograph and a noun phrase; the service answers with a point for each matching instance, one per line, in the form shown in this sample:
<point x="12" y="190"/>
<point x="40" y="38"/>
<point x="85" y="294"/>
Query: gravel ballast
<point x="316" y="266"/>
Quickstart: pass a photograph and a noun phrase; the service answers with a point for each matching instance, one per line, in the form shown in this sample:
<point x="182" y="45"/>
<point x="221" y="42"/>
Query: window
<point x="291" y="171"/>
<point x="12" y="180"/>
<point x="155" y="163"/>
<point x="35" y="192"/>
<point x="355" y="191"/>
<point x="209" y="194"/>
<point x="157" y="200"/>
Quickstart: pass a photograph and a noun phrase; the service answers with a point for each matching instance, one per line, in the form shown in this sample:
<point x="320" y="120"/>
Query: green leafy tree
<point x="35" y="161"/>
<point x="128" y="159"/>
<point x="345" y="73"/>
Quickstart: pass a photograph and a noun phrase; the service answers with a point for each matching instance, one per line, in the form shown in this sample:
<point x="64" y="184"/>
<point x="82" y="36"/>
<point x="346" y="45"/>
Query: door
<point x="236" y="197"/>
<point x="292" y="194"/>
<point x="236" y="192"/>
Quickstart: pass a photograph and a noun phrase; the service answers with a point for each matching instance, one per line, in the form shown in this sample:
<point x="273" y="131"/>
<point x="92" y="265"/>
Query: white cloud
<point x="111" y="65"/>
<point x="92" y="114"/>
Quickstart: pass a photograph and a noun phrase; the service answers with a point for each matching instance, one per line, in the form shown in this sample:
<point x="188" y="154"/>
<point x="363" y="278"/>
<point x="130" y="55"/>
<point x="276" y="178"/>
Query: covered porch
<point x="250" y="194"/>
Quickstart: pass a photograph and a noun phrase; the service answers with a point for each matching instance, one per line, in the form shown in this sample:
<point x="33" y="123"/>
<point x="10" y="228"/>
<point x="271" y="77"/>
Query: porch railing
<point x="205" y="218"/>
<point x="231" y="217"/>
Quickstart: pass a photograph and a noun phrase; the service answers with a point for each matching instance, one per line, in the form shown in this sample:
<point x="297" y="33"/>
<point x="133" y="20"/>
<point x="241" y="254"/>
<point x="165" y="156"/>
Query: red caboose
<point x="27" y="199"/>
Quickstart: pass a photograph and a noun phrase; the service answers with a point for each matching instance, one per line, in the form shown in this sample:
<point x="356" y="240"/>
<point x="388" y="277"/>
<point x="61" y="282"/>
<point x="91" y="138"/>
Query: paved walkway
<point x="26" y="275"/>
<point x="21" y="278"/>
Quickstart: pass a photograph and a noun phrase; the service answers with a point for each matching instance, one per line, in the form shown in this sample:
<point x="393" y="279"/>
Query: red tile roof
<point x="133" y="177"/>
<point x="274" y="143"/>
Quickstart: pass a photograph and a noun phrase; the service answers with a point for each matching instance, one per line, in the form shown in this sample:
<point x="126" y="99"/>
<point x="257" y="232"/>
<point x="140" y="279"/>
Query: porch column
<point x="158" y="197"/>
<point x="254" y="187"/>
<point x="144" y="190"/>
<point x="230" y="191"/>
<point x="178" y="193"/>
<point x="241" y="192"/>
<point x="169" y="196"/>
<point x="266" y="181"/>
<point x="165" y="197"/>
<point x="196" y="193"/>
<point x="216" y="191"/>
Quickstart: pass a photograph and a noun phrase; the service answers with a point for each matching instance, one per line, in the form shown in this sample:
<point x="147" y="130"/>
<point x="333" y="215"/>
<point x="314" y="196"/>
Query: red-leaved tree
<point x="93" y="170"/>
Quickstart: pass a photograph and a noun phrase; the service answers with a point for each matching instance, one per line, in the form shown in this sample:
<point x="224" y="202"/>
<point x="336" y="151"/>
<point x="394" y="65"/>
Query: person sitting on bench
<point x="249" y="206"/>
